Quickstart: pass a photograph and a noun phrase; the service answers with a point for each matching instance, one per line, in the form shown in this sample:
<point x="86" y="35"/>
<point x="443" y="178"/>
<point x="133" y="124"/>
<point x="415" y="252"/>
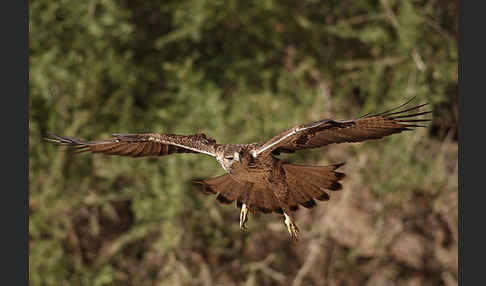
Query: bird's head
<point x="229" y="157"/>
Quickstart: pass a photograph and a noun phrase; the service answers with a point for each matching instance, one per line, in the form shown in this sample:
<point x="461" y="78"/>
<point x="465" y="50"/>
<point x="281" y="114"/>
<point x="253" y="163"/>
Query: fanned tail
<point x="305" y="184"/>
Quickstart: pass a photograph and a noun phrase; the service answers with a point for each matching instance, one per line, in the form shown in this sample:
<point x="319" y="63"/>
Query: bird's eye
<point x="230" y="158"/>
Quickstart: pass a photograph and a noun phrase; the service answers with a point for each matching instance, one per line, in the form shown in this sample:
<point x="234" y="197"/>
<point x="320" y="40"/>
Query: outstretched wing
<point x="139" y="145"/>
<point x="327" y="131"/>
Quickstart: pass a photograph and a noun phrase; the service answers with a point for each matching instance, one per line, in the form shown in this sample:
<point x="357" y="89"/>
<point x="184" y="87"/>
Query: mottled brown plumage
<point x="256" y="179"/>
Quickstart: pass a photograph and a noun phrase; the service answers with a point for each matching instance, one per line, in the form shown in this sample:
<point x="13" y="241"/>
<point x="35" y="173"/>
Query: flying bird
<point x="255" y="177"/>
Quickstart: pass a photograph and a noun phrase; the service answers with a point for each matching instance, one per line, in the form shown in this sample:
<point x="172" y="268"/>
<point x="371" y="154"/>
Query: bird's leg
<point x="291" y="227"/>
<point x="243" y="216"/>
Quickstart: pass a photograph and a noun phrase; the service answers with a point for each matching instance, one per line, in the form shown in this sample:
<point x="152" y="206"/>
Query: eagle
<point x="255" y="177"/>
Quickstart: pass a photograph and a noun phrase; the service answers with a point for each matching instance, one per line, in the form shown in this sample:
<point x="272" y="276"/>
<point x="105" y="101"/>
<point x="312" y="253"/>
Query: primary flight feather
<point x="255" y="178"/>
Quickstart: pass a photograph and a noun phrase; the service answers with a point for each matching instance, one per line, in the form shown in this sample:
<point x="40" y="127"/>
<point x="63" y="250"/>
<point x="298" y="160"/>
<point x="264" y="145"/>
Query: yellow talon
<point x="291" y="227"/>
<point x="243" y="216"/>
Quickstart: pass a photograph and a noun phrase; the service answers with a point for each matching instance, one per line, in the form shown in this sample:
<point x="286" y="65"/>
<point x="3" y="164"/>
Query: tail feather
<point x="227" y="189"/>
<point x="298" y="196"/>
<point x="255" y="200"/>
<point x="231" y="192"/>
<point x="312" y="181"/>
<point x="315" y="191"/>
<point x="270" y="202"/>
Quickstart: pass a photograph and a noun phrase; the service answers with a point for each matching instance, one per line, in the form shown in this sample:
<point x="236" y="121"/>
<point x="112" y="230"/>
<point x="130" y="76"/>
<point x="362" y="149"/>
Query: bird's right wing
<point x="139" y="145"/>
<point x="328" y="131"/>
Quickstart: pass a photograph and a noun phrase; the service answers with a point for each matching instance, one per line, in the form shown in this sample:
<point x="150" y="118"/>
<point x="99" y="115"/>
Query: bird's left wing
<point x="327" y="131"/>
<point x="138" y="145"/>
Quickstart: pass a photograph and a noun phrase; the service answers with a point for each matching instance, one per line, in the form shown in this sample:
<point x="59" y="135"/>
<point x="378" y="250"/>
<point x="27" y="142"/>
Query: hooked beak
<point x="237" y="157"/>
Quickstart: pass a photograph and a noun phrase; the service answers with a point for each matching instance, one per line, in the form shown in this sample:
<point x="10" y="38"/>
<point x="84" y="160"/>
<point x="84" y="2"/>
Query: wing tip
<point x="405" y="118"/>
<point x="393" y="110"/>
<point x="63" y="141"/>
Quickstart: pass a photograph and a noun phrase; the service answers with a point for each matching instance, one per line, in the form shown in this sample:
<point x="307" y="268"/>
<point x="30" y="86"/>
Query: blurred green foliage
<point x="239" y="71"/>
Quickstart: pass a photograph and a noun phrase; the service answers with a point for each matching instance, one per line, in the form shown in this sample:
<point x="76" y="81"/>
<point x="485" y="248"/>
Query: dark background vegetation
<point x="240" y="71"/>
